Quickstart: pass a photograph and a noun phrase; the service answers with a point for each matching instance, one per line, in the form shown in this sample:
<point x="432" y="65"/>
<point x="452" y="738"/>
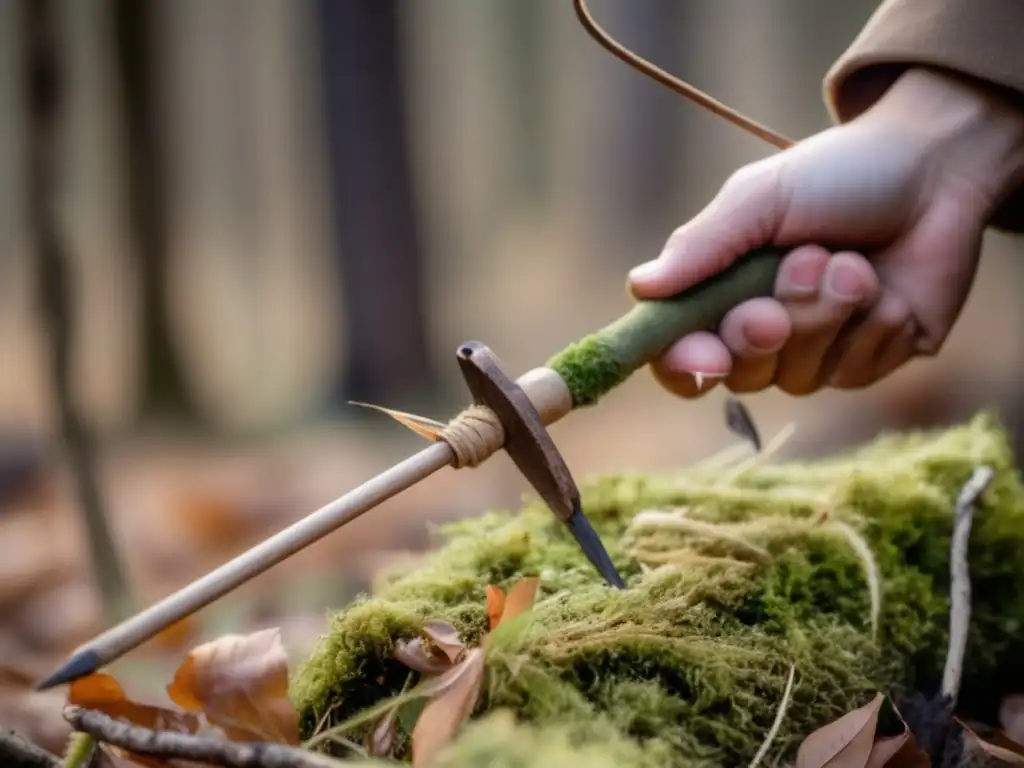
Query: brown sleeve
<point x="983" y="39"/>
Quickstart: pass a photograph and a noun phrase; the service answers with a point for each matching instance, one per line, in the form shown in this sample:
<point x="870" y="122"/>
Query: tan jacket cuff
<point x="983" y="39"/>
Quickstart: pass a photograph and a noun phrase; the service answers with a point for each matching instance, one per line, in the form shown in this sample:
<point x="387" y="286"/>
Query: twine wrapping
<point x="474" y="436"/>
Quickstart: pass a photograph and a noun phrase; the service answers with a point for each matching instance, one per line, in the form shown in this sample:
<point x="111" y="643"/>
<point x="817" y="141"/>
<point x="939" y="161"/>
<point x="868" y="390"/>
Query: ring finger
<point x="852" y="362"/>
<point x="849" y="284"/>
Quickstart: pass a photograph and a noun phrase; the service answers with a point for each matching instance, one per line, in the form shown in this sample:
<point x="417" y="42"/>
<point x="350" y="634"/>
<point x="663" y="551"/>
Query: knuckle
<point x="891" y="313"/>
<point x="743" y="177"/>
<point x="797" y="386"/>
<point x="745" y="384"/>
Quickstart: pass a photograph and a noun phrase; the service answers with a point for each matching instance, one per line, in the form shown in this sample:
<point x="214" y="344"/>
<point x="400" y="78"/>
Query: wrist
<point x="974" y="132"/>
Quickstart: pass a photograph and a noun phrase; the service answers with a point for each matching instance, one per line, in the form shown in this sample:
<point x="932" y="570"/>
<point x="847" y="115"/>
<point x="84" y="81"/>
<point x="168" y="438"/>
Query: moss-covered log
<point x="753" y="572"/>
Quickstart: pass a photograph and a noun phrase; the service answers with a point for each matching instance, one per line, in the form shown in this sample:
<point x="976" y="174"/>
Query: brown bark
<point x="164" y="385"/>
<point x="377" y="241"/>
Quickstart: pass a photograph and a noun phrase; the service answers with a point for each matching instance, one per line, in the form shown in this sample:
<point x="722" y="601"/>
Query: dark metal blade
<point x="593" y="548"/>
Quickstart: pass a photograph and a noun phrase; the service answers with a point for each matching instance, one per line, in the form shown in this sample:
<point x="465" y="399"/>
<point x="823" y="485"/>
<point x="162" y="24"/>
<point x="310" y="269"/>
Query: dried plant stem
<point x="779" y="717"/>
<point x="230" y="754"/>
<point x="18" y="753"/>
<point x="685" y="90"/>
<point x="960" y="589"/>
<point x="44" y="93"/>
<point x="658" y="519"/>
<point x="871" y="571"/>
<point x="80" y="750"/>
<point x="367" y="715"/>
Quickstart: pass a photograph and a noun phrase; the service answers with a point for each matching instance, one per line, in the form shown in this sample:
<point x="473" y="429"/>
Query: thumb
<point x="746" y="214"/>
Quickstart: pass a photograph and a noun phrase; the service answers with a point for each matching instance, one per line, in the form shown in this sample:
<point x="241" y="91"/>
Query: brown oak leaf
<point x="380" y="739"/>
<point x="420" y="657"/>
<point x="102" y="692"/>
<point x="992" y="751"/>
<point x="452" y="697"/>
<point x="240" y="682"/>
<point x="843" y="743"/>
<point x="445" y="638"/>
<point x="519" y="599"/>
<point x="495" y="606"/>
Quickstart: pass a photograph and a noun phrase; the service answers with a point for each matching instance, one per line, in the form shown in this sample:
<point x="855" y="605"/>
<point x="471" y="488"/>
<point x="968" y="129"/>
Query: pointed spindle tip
<point x="80" y="664"/>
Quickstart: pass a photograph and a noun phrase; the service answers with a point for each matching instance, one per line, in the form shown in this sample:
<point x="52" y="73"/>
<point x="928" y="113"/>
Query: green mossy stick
<point x="598" y="363"/>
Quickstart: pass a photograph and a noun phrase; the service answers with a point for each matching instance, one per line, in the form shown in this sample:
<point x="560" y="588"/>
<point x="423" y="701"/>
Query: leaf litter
<point x="850" y="742"/>
<point x="237" y="686"/>
<point x="240" y="682"/>
<point x="453" y="695"/>
<point x="425" y="427"/>
<point x="452" y="676"/>
<point x="234" y="688"/>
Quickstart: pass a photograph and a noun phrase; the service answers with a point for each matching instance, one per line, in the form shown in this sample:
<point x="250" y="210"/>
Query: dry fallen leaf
<point x="495" y="606"/>
<point x="899" y="751"/>
<point x="419" y="657"/>
<point x="990" y="752"/>
<point x="421" y="425"/>
<point x="844" y="743"/>
<point x="452" y="698"/>
<point x="445" y="638"/>
<point x="102" y="692"/>
<point x="1011" y="717"/>
<point x="519" y="599"/>
<point x="240" y="682"/>
<point x="381" y="738"/>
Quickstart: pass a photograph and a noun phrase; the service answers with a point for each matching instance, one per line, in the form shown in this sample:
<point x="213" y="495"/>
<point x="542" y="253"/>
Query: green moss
<point x="686" y="667"/>
<point x="589" y="369"/>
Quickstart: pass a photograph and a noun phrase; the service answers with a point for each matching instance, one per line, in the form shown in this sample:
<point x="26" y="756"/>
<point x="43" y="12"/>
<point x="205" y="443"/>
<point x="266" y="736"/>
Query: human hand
<point x="901" y="196"/>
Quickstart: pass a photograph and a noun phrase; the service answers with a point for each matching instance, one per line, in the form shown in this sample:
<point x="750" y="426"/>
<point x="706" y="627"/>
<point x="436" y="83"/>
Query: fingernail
<point x="755" y="337"/>
<point x="804" y="274"/>
<point x="644" y="271"/>
<point x="844" y="282"/>
<point x="701" y="378"/>
<point x="766" y="348"/>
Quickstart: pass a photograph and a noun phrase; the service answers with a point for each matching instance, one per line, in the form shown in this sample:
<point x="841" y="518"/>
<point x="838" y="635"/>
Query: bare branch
<point x="167" y="744"/>
<point x="960" y="588"/>
<point x="45" y="96"/>
<point x="18" y="753"/>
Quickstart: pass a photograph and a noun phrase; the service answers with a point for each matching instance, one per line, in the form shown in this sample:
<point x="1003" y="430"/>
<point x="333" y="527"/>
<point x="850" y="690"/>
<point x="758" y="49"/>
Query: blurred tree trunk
<point x="525" y="61"/>
<point x="46" y="107"/>
<point x="164" y="385"/>
<point x="637" y="127"/>
<point x="373" y="210"/>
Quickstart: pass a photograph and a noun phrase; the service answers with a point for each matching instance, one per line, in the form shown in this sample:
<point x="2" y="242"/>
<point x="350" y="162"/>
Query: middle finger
<point x="849" y="284"/>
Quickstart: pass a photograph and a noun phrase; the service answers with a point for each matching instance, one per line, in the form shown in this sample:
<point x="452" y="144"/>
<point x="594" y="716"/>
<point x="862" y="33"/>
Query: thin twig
<point x="779" y="716"/>
<point x="82" y="751"/>
<point x="18" y="753"/>
<point x="960" y="588"/>
<point x="675" y="84"/>
<point x="185" y="746"/>
<point x="44" y="95"/>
